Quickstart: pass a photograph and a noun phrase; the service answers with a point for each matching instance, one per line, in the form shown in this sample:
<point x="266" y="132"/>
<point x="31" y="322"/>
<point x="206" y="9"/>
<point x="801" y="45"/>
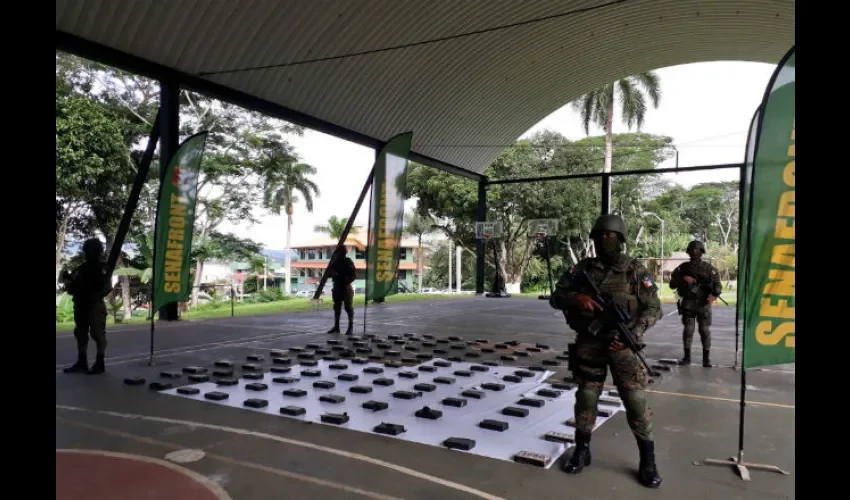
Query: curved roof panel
<point x="467" y="77"/>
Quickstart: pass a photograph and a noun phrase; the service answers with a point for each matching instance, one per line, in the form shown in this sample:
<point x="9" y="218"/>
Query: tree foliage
<point x="705" y="211"/>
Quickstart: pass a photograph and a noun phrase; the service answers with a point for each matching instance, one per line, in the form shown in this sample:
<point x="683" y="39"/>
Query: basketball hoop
<point x="542" y="228"/>
<point x="486" y="231"/>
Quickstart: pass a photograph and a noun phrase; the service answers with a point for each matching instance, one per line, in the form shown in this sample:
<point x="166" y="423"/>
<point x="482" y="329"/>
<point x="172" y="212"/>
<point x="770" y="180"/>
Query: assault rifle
<point x="700" y="290"/>
<point x="615" y="317"/>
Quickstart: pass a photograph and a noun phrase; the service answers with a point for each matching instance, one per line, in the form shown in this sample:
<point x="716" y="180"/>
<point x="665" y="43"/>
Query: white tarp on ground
<point x="524" y="433"/>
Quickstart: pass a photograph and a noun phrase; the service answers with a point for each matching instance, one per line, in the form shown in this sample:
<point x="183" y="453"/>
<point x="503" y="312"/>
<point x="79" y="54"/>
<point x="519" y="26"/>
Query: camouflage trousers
<point x="90" y="320"/>
<point x="592" y="360"/>
<point x="343" y="296"/>
<point x="703" y="319"/>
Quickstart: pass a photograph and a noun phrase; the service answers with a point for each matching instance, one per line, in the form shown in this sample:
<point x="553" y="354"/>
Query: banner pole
<point x="741" y="419"/>
<point x="738" y="462"/>
<point x="150" y="360"/>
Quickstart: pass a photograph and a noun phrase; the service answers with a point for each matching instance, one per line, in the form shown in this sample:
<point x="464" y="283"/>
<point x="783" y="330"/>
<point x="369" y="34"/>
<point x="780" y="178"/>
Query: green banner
<point x="175" y="220"/>
<point x="746" y="186"/>
<point x="387" y="218"/>
<point x="769" y="316"/>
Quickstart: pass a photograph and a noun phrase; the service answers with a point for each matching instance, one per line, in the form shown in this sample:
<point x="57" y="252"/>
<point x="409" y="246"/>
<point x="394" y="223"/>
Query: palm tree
<point x="418" y="225"/>
<point x="597" y="106"/>
<point x="334" y="227"/>
<point x="281" y="193"/>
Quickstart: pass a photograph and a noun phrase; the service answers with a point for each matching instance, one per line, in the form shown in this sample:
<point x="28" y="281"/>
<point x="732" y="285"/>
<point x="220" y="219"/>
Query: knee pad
<point x="587" y="397"/>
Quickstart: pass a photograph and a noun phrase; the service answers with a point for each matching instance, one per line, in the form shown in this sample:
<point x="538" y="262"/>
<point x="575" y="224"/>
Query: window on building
<point x="359" y="254"/>
<point x="302" y="254"/>
<point x="403" y="254"/>
<point x="311" y="254"/>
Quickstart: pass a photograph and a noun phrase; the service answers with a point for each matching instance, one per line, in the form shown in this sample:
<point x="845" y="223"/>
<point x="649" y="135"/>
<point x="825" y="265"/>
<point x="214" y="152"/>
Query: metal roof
<point x="467" y="77"/>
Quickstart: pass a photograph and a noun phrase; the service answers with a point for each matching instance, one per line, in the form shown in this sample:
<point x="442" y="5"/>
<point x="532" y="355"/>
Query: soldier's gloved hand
<point x="689" y="280"/>
<point x="586" y="303"/>
<point x="616" y="346"/>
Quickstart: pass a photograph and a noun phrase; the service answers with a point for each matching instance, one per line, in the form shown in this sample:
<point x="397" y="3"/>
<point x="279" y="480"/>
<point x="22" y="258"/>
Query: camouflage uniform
<point x="343" y="274"/>
<point x="87" y="286"/>
<point x="631" y="286"/>
<point x="694" y="305"/>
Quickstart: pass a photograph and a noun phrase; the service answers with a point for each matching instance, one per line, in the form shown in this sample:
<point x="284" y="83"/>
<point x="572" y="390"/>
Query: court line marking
<point x="222" y="458"/>
<point x="211" y="485"/>
<point x="303" y="444"/>
<point x="715" y="398"/>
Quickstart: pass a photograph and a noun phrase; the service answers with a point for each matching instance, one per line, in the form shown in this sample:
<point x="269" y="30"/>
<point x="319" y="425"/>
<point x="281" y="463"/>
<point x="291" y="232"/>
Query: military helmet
<point x="696" y="244"/>
<point x="609" y="222"/>
<point x="92" y="247"/>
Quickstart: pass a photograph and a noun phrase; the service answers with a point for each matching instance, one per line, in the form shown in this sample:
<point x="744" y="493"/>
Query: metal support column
<point x="169" y="127"/>
<point x="606" y="194"/>
<point x="481" y="216"/>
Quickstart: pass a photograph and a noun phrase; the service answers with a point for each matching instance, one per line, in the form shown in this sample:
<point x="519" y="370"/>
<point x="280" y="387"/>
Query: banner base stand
<point x="742" y="467"/>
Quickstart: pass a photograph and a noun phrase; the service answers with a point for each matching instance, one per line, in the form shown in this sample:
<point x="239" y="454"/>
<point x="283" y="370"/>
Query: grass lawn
<point x="294" y="305"/>
<point x="281" y="306"/>
<point x="667" y="295"/>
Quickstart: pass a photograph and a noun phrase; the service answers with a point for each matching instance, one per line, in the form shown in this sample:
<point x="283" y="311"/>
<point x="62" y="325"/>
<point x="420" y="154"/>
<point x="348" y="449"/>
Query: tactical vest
<point x="617" y="279"/>
<point x="693" y="296"/>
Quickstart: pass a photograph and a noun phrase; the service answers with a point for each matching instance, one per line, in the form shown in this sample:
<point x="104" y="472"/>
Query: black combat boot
<point x="706" y="360"/>
<point x="81" y="366"/>
<point x="647" y="473"/>
<point x="98" y="367"/>
<point x="335" y="329"/>
<point x="350" y="330"/>
<point x="581" y="454"/>
<point x="687" y="359"/>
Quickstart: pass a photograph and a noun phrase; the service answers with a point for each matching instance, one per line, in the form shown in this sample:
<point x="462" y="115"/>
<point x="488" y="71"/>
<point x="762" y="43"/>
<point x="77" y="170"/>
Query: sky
<point x="705" y="107"/>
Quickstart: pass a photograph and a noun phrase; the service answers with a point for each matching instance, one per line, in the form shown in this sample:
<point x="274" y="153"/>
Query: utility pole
<point x="457" y="265"/>
<point x="450" y="265"/>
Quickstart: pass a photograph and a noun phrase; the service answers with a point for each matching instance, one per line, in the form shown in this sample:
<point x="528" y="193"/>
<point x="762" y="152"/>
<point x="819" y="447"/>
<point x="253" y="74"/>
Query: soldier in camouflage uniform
<point x="631" y="286"/>
<point x="698" y="284"/>
<point x="343" y="273"/>
<point x="88" y="285"/>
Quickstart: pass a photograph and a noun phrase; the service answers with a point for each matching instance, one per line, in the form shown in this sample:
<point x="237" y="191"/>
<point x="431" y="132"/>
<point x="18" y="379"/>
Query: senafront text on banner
<point x="175" y="221"/>
<point x="387" y="221"/>
<point x="769" y="315"/>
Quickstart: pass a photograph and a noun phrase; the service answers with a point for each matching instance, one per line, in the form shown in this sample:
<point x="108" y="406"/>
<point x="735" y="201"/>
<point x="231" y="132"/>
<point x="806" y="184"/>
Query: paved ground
<point x="257" y="456"/>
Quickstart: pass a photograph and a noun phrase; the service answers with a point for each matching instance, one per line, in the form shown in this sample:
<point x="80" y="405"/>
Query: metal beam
<point x="114" y="57"/>
<point x="345" y="231"/>
<point x="133" y="199"/>
<point x="169" y="127"/>
<point x="480" y="216"/>
<point x="605" y="207"/>
<point x="622" y="173"/>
